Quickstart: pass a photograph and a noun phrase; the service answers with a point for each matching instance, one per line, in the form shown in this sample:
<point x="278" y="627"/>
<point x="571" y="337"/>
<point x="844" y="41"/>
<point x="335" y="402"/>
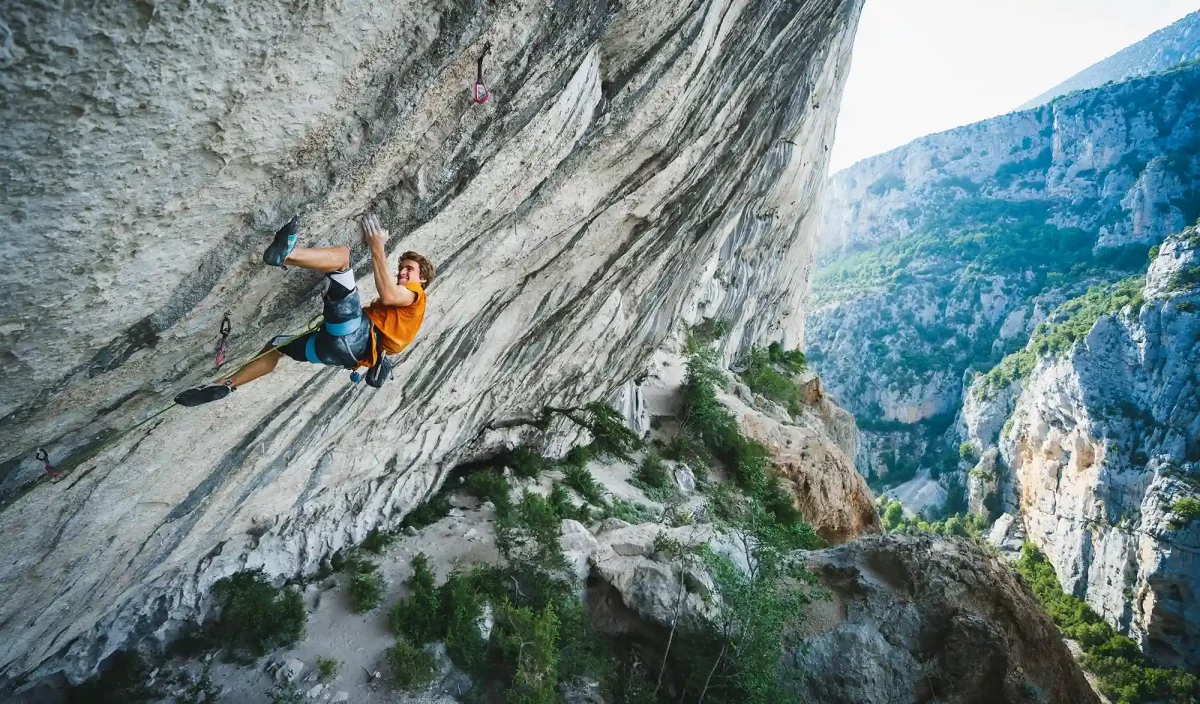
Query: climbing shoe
<point x="285" y="242"/>
<point x="203" y="394"/>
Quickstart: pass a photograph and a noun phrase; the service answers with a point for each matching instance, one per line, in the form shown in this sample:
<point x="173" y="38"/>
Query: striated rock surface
<point x="942" y="256"/>
<point x="1101" y="444"/>
<point x="916" y="618"/>
<point x="830" y="493"/>
<point x="635" y="162"/>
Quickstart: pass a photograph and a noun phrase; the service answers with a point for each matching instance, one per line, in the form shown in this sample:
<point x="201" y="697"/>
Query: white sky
<point x="923" y="66"/>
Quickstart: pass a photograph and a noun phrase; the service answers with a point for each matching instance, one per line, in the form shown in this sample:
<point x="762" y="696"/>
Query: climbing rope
<point x="74" y="461"/>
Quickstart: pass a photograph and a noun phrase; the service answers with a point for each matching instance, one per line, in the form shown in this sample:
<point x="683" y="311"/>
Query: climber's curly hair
<point x="425" y="264"/>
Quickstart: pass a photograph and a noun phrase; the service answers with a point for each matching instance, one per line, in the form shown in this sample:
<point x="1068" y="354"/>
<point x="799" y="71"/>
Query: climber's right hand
<point x="374" y="236"/>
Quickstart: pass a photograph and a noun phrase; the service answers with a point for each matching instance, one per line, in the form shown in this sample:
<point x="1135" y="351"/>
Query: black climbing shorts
<point x="345" y="336"/>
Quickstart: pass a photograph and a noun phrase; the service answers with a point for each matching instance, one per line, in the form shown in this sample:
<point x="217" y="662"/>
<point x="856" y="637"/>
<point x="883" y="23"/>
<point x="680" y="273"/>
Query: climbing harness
<point x="44" y="458"/>
<point x="73" y="462"/>
<point x="479" y="93"/>
<point x="226" y="328"/>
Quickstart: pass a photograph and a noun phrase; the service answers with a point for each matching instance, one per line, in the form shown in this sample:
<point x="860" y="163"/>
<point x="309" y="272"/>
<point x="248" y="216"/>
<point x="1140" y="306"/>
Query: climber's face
<point x="409" y="271"/>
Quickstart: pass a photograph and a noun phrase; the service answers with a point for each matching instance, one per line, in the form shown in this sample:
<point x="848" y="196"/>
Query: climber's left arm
<point x="390" y="292"/>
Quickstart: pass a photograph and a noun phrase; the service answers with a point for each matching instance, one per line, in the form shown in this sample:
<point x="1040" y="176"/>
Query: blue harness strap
<point x="310" y="349"/>
<point x="343" y="329"/>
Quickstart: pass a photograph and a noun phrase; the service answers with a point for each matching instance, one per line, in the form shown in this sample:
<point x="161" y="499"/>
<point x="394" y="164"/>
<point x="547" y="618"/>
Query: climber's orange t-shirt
<point x="397" y="324"/>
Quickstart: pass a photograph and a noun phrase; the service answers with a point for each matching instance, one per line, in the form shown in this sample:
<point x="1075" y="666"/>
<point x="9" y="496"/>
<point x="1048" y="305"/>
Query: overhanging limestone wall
<point x="636" y="162"/>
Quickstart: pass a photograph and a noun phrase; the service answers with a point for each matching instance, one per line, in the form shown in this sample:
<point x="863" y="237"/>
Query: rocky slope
<point x="942" y="256"/>
<point x="1168" y="47"/>
<point x="635" y="162"/>
<point x="903" y="619"/>
<point x="1094" y="445"/>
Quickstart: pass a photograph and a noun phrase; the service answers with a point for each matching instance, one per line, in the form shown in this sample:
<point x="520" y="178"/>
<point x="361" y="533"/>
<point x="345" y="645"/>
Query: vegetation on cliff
<point x="1124" y="674"/>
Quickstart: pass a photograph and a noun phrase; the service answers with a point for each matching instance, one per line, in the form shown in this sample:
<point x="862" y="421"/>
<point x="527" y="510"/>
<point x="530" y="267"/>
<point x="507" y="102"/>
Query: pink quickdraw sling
<point x="479" y="93"/>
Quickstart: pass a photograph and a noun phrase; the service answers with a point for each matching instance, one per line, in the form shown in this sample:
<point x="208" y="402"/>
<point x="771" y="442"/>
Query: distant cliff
<point x="941" y="257"/>
<point x="1097" y="424"/>
<point x="1164" y="49"/>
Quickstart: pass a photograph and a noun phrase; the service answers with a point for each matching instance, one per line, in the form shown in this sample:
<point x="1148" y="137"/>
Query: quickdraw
<point x="479" y="93"/>
<point x="44" y="458"/>
<point x="222" y="345"/>
<point x="74" y="461"/>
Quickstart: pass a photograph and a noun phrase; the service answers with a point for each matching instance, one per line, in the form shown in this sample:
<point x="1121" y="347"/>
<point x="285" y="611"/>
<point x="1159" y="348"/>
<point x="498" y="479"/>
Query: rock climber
<point x="350" y="336"/>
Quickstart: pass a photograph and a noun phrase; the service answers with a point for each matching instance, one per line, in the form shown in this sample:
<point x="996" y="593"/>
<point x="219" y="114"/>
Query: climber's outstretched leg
<point x="215" y="392"/>
<point x="335" y="263"/>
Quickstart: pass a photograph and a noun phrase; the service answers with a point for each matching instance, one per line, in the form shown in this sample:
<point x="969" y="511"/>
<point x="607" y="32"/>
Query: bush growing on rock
<point x="1122" y="671"/>
<point x="366" y="584"/>
<point x="377" y="541"/>
<point x="582" y="481"/>
<point x="412" y="666"/>
<point x="417" y="616"/>
<point x="488" y="485"/>
<point x="428" y="513"/>
<point x="327" y="669"/>
<point x="654" y="479"/>
<point x="527" y="463"/>
<point x="1186" y="510"/>
<point x="255" y="616"/>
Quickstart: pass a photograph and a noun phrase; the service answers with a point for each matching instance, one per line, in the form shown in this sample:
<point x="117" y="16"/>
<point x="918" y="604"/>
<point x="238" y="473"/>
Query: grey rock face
<point x="634" y="162"/>
<point x="1103" y="442"/>
<point x="874" y="641"/>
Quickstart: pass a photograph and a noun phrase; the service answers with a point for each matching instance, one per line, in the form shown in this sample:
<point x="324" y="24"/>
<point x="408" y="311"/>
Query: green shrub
<point x="702" y="335"/>
<point x="564" y="507"/>
<point x="254" y="616"/>
<point x="412" y="666"/>
<point x="582" y="481"/>
<point x="1153" y="253"/>
<point x="462" y="600"/>
<point x="527" y="463"/>
<point x="628" y="511"/>
<point x="790" y="361"/>
<point x="529" y="640"/>
<point x="690" y="450"/>
<point x="654" y="479"/>
<point x="735" y="656"/>
<point x="578" y="457"/>
<point x="1186" y="510"/>
<point x="417" y="617"/>
<point x="366" y="585"/>
<point x="610" y="436"/>
<point x="528" y="540"/>
<point x="327" y="669"/>
<point x="428" y="513"/>
<point x="377" y="541"/>
<point x="488" y="485"/>
<point x="763" y="378"/>
<point x="1185" y="307"/>
<point x="1184" y="280"/>
<point x="968" y="452"/>
<point x="1120" y="668"/>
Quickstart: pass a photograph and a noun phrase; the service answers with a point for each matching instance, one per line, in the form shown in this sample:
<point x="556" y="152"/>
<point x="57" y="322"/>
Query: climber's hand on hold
<point x="374" y="236"/>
